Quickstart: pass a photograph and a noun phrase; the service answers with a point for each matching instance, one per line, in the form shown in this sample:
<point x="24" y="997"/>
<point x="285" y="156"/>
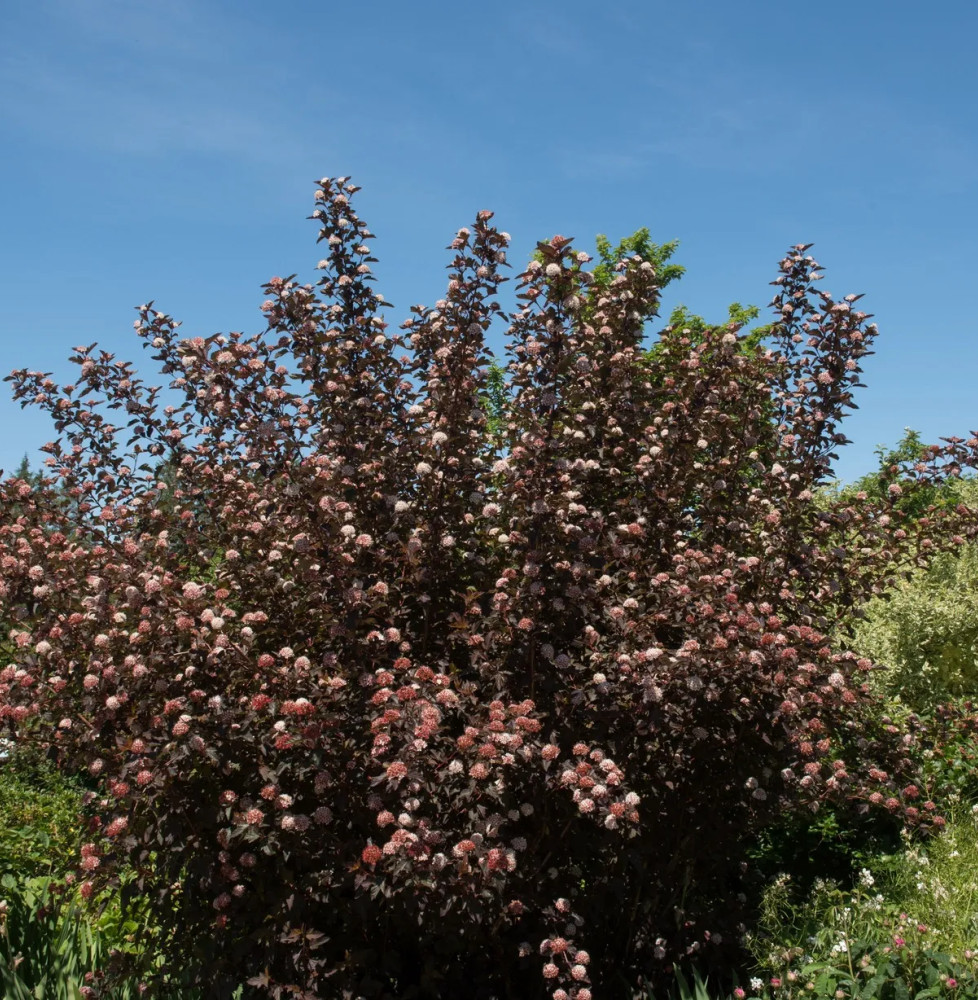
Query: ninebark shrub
<point x="383" y="702"/>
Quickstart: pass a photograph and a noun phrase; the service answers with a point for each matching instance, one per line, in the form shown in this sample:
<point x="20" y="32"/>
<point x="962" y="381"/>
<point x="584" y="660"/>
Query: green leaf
<point x="871" y="989"/>
<point x="825" y="985"/>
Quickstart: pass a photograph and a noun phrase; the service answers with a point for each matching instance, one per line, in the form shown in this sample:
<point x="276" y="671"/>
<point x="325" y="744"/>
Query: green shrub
<point x="51" y="938"/>
<point x="833" y="843"/>
<point x="925" y="632"/>
<point x="55" y="946"/>
<point x="42" y="822"/>
<point x="905" y="930"/>
<point x="937" y="883"/>
<point x="46" y="946"/>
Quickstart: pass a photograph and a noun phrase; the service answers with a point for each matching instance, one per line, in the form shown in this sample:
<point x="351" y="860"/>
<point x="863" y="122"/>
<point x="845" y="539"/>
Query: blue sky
<point x="167" y="151"/>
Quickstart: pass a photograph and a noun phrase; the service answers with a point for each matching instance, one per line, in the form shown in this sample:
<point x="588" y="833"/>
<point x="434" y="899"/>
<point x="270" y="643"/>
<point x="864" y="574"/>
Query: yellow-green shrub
<point x="926" y="631"/>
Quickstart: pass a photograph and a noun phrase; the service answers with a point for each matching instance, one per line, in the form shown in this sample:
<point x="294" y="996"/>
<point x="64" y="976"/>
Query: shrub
<point x="51" y="940"/>
<point x="54" y="945"/>
<point x="42" y="825"/>
<point x="945" y="748"/>
<point x="925" y="633"/>
<point x="386" y="703"/>
<point x="46" y="947"/>
<point x="897" y="466"/>
<point x="907" y="928"/>
<point x="831" y="844"/>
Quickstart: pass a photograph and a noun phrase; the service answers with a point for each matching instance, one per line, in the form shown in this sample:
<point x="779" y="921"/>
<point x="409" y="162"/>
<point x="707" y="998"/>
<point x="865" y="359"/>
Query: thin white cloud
<point x="168" y="29"/>
<point x="707" y="125"/>
<point x="551" y="30"/>
<point x="72" y="110"/>
<point x="135" y="81"/>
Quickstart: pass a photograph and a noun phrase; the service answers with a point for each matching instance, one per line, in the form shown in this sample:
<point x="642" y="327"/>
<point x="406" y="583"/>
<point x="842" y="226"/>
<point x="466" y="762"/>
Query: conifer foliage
<point x="381" y="701"/>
